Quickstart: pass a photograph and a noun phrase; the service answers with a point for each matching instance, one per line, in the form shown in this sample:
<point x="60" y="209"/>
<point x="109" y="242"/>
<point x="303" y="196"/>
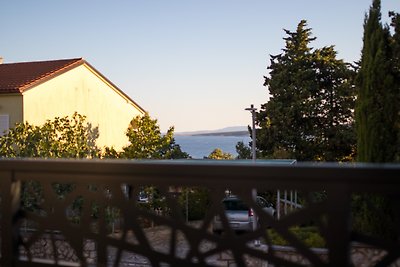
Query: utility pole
<point x="253" y="110"/>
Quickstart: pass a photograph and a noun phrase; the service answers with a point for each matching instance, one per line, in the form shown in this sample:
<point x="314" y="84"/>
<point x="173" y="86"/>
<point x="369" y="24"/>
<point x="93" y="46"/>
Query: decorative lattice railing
<point x="87" y="213"/>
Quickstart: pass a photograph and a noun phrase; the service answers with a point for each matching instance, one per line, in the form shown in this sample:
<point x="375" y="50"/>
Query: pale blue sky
<point x="193" y="64"/>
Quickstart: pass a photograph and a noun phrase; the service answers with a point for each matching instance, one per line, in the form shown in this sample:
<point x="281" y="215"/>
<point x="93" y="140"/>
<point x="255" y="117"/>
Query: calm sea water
<point x="199" y="147"/>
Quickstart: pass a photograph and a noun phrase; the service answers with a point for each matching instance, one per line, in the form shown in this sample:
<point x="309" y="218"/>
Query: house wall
<point x="83" y="91"/>
<point x="12" y="106"/>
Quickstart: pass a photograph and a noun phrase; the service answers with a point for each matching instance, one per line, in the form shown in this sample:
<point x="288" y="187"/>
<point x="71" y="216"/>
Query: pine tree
<point x="309" y="114"/>
<point x="376" y="103"/>
<point x="283" y="120"/>
<point x="334" y="99"/>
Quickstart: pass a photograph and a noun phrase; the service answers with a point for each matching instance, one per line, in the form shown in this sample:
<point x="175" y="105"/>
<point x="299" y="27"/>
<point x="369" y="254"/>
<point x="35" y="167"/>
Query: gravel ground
<point x="159" y="238"/>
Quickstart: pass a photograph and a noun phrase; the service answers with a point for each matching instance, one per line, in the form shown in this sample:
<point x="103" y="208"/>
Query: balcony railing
<point x="86" y="213"/>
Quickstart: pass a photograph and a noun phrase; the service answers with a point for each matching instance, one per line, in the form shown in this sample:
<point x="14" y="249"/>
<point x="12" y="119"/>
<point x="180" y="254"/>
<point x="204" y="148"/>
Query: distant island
<point x="236" y="133"/>
<point x="227" y="131"/>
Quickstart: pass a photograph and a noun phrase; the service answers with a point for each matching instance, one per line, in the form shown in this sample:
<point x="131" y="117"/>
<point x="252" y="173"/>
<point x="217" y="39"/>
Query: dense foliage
<point x="59" y="138"/>
<point x="378" y="118"/>
<point x="309" y="114"/>
<point x="196" y="200"/>
<point x="377" y="110"/>
<point x="219" y="154"/>
<point x="75" y="138"/>
<point x="243" y="151"/>
<point x="395" y="45"/>
<point x="309" y="236"/>
<point x="147" y="142"/>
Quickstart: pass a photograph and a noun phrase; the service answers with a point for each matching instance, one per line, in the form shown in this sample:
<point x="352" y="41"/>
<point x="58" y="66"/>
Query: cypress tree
<point x="376" y="119"/>
<point x="395" y="45"/>
<point x="376" y="105"/>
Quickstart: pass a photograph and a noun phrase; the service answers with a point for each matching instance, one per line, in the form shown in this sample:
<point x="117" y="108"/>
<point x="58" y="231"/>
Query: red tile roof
<point x="17" y="77"/>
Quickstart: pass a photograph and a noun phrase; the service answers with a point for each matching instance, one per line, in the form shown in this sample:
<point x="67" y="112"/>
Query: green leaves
<point x="147" y="142"/>
<point x="219" y="154"/>
<point x="60" y="138"/>
<point x="244" y="152"/>
<point x="73" y="137"/>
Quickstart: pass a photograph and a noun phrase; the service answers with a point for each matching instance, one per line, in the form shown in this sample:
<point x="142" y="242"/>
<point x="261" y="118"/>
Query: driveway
<point x="159" y="238"/>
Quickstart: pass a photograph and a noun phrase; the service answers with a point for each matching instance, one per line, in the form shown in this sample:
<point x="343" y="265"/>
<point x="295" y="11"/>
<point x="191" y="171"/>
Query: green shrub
<point x="308" y="235"/>
<point x="198" y="202"/>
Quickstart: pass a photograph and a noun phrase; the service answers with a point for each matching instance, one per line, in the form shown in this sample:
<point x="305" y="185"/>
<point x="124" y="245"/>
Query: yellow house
<point x="34" y="92"/>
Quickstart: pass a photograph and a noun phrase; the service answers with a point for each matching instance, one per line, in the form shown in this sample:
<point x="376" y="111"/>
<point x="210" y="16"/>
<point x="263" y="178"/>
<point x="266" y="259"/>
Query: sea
<point x="200" y="146"/>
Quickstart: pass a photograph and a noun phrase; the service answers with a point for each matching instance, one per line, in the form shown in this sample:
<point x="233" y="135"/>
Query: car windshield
<point x="235" y="204"/>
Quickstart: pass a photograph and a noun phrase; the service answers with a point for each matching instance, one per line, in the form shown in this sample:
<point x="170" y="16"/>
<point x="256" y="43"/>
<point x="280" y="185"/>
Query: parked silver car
<point x="239" y="215"/>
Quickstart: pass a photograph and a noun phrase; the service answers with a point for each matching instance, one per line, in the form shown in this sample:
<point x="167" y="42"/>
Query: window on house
<point x="4" y="124"/>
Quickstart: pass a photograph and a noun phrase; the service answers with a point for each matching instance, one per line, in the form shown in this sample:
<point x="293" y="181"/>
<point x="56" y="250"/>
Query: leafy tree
<point x="219" y="154"/>
<point x="377" y="108"/>
<point x="110" y="153"/>
<point x="147" y="142"/>
<point x="199" y="202"/>
<point x="244" y="152"/>
<point x="308" y="116"/>
<point x="175" y="152"/>
<point x="59" y="138"/>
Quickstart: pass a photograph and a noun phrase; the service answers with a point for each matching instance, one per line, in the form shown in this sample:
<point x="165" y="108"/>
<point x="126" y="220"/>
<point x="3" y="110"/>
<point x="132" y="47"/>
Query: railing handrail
<point x="338" y="181"/>
<point x="360" y="176"/>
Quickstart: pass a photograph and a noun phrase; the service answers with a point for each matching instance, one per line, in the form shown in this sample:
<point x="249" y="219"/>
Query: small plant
<point x="308" y="235"/>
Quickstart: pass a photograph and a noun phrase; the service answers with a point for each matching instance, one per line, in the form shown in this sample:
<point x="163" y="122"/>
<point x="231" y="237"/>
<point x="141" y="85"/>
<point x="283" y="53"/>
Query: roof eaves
<point x="48" y="76"/>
